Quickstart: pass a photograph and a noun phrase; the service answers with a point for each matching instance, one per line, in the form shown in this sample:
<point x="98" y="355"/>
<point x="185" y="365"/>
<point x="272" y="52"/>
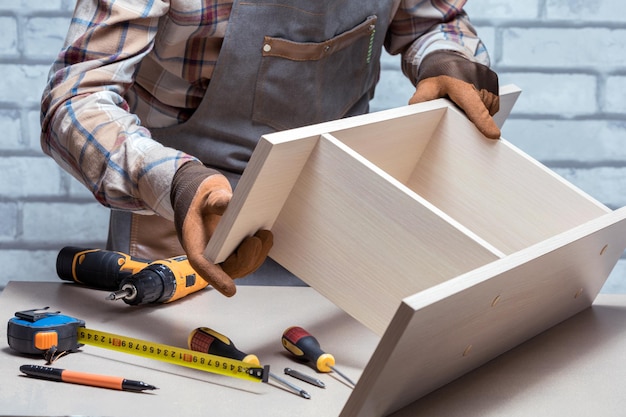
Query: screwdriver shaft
<point x="343" y="375"/>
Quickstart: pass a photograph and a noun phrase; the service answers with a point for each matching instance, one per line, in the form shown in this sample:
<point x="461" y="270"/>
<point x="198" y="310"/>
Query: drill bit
<point x="295" y="388"/>
<point x="303" y="377"/>
<point x="126" y="292"/>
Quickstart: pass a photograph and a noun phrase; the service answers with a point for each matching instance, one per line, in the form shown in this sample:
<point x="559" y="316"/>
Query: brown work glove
<point x="472" y="86"/>
<point x="199" y="197"/>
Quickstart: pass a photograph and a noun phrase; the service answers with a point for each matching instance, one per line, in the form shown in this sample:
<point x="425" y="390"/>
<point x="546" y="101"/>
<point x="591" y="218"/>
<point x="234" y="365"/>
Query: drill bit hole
<point x="604" y="249"/>
<point x="467" y="350"/>
<point x="495" y="301"/>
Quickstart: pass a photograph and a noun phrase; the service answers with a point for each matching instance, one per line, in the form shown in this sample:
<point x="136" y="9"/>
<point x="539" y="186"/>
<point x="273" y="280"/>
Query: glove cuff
<point x="185" y="184"/>
<point x="456" y="65"/>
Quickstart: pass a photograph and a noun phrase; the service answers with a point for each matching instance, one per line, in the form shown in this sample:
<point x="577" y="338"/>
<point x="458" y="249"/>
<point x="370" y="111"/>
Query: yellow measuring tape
<point x="171" y="354"/>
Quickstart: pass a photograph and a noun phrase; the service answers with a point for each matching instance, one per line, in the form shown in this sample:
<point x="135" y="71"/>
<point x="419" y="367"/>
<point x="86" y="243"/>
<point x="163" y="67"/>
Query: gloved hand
<point x="472" y="86"/>
<point x="199" y="197"/>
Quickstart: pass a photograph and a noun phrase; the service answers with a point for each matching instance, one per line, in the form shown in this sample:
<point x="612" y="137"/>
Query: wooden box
<point x="452" y="247"/>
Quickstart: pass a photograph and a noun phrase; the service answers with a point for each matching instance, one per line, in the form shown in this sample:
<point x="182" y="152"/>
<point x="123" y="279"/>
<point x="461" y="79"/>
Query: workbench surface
<point x="254" y="319"/>
<point x="573" y="369"/>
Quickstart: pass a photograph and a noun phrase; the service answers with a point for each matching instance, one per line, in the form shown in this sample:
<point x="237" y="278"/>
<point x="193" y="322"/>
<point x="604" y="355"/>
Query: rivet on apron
<point x="267" y="47"/>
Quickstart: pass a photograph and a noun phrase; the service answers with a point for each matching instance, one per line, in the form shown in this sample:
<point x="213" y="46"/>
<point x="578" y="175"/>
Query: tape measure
<point x="37" y="331"/>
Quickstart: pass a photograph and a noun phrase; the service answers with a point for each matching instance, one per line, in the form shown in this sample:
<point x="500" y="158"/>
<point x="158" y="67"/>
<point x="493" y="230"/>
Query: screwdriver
<point x="304" y="346"/>
<point x="204" y="339"/>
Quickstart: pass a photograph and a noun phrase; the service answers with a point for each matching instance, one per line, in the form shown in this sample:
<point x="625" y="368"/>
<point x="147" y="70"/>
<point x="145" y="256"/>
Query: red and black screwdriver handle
<point x="306" y="347"/>
<point x="204" y="339"/>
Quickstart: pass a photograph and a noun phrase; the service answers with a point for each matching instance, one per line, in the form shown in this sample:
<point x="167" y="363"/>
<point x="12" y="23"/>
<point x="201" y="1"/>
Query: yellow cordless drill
<point x="136" y="281"/>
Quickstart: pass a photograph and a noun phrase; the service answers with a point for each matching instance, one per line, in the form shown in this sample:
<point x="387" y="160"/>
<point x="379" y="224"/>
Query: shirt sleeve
<point x="423" y="26"/>
<point x="86" y="123"/>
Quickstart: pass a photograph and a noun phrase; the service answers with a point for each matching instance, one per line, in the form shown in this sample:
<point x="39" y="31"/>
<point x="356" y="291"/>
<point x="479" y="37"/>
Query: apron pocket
<point x="304" y="83"/>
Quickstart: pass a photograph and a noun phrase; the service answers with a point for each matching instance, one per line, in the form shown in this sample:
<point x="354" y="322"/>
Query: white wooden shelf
<point x="451" y="246"/>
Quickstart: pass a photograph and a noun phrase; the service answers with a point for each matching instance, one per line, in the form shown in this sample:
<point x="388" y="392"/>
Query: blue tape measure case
<point x="36" y="334"/>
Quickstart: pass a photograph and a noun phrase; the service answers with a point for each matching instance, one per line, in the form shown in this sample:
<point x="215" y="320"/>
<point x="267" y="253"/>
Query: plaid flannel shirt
<point x="95" y="109"/>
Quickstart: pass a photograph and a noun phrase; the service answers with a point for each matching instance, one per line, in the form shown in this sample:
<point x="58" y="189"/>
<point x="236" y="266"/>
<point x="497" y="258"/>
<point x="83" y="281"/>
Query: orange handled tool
<point x="94" y="380"/>
<point x="304" y="346"/>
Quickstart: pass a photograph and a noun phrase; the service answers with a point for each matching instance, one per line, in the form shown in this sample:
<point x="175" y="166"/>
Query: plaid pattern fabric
<point x="129" y="64"/>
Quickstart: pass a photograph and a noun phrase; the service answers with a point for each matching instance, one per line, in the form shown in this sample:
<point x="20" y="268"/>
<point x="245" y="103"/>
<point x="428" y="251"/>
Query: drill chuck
<point x="154" y="283"/>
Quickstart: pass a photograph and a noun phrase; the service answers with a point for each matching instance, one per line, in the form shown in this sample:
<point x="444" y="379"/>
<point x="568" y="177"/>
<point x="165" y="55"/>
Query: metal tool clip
<point x="35" y="314"/>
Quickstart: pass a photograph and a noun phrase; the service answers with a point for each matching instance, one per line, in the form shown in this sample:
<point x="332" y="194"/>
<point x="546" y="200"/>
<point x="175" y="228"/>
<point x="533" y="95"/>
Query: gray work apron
<point x="283" y="64"/>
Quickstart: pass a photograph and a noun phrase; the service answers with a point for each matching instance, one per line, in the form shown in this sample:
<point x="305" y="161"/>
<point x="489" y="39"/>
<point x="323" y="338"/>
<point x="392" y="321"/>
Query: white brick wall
<point x="567" y="56"/>
<point x="41" y="207"/>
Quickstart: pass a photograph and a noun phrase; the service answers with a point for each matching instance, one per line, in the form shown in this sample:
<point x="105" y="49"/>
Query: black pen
<point x="74" y="377"/>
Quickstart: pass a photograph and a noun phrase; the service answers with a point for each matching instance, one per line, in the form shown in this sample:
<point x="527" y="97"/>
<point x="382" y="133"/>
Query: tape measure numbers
<point x="171" y="354"/>
<point x="37" y="331"/>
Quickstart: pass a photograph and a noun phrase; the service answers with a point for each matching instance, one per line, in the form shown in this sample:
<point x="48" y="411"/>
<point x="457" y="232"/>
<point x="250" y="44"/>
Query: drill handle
<point x="96" y="267"/>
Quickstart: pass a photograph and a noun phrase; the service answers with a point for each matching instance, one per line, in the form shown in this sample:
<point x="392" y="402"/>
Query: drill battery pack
<point x="35" y="332"/>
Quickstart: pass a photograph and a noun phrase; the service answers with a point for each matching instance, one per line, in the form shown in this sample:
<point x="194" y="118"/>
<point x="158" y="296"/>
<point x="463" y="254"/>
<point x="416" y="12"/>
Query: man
<point x="156" y="106"/>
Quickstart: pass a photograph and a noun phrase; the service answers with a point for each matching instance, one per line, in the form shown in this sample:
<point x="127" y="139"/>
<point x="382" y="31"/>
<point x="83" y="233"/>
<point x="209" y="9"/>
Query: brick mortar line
<point x="26" y="153"/>
<point x="593" y="70"/>
<point x="22" y="59"/>
<point x="19" y="221"/>
<point x="10" y="105"/>
<point x="36" y="13"/>
<point x="542" y="9"/>
<point x="506" y="23"/>
<point x="588" y="117"/>
<point x="49" y="246"/>
<point x="58" y="198"/>
<point x="582" y="165"/>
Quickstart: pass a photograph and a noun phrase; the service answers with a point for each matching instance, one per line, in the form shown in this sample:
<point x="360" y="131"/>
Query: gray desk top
<point x="254" y="318"/>
<point x="574" y="369"/>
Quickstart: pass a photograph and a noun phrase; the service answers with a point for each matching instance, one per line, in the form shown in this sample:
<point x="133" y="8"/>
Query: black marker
<point x="94" y="380"/>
